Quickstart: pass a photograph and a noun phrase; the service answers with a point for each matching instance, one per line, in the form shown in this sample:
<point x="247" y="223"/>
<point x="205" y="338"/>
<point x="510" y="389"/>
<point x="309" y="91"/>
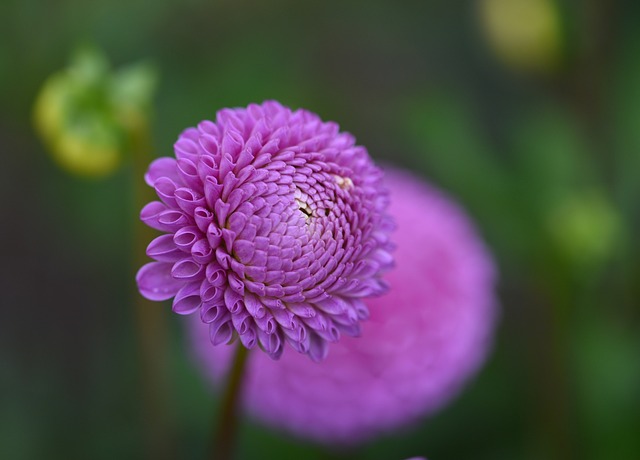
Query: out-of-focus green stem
<point x="225" y="436"/>
<point x="150" y="323"/>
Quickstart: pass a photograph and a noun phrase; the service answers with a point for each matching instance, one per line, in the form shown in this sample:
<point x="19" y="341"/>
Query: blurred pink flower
<point x="424" y="339"/>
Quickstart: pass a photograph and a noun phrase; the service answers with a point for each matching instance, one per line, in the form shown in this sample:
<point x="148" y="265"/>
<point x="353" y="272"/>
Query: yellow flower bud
<point x="87" y="115"/>
<point x="524" y="34"/>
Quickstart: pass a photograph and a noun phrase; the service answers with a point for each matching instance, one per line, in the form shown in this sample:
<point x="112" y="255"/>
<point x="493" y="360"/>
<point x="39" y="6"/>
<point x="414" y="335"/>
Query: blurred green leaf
<point x="454" y="148"/>
<point x="551" y="156"/>
<point x="607" y="379"/>
<point x="564" y="192"/>
<point x="134" y="86"/>
<point x="625" y="108"/>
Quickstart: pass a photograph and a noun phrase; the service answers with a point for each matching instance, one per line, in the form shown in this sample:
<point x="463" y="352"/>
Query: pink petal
<point x="155" y="281"/>
<point x="162" y="167"/>
<point x="187" y="299"/>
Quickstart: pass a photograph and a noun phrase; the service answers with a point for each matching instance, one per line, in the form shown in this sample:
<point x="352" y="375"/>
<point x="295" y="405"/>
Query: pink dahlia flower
<point x="424" y="338"/>
<point x="275" y="229"/>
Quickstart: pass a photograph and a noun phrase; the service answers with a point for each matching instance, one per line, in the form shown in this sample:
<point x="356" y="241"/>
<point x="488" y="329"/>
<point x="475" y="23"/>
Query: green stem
<point x="224" y="437"/>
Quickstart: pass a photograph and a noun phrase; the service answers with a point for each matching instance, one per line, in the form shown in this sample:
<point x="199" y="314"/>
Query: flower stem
<point x="224" y="437"/>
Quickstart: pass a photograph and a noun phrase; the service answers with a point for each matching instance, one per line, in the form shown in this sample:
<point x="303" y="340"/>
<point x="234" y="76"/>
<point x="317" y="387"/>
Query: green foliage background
<point x="547" y="165"/>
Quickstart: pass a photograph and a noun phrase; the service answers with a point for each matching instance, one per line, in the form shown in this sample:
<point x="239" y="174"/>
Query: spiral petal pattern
<point x="276" y="229"/>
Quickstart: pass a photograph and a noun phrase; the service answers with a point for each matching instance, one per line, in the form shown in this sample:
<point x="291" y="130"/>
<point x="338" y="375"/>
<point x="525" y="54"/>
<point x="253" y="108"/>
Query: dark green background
<point x="417" y="84"/>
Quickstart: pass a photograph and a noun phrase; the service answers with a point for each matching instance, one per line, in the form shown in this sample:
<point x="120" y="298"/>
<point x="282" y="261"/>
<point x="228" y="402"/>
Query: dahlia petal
<point x="229" y="184"/>
<point x="150" y="213"/>
<point x="237" y="221"/>
<point x="273" y="304"/>
<point x="300" y="347"/>
<point x="384" y="258"/>
<point x="211" y="313"/>
<point x="161" y="167"/>
<point x="318" y="348"/>
<point x="203" y="218"/>
<point x="254" y="287"/>
<point x="317" y="322"/>
<point x="211" y="294"/>
<point x="233" y="301"/>
<point x="221" y="331"/>
<point x="223" y="258"/>
<point x="368" y="288"/>
<point x="330" y="334"/>
<point x="202" y="252"/>
<point x="255" y="274"/>
<point x="155" y="281"/>
<point x="250" y="338"/>
<point x="361" y="308"/>
<point x="163" y="249"/>
<point x="216" y="275"/>
<point x="365" y="268"/>
<point x="318" y="298"/>
<point x="300" y="335"/>
<point x="228" y="119"/>
<point x="221" y="212"/>
<point x="333" y="305"/>
<point x="188" y="200"/>
<point x="172" y="220"/>
<point x="242" y="322"/>
<point x="188" y="270"/>
<point x="285" y="318"/>
<point x="226" y="163"/>
<point x="267" y="323"/>
<point x="313" y="293"/>
<point x="190" y="134"/>
<point x="347" y="318"/>
<point x="272" y="344"/>
<point x="244" y="161"/>
<point x="188" y="173"/>
<point x="187" y="148"/>
<point x="259" y="258"/>
<point x="206" y="169"/>
<point x="294" y="298"/>
<point x="209" y="127"/>
<point x="244" y="250"/>
<point x="228" y="236"/>
<point x="210" y="144"/>
<point x="165" y="188"/>
<point x="254" y="306"/>
<point x="186" y="237"/>
<point x="212" y="191"/>
<point x="275" y="290"/>
<point x="214" y="235"/>
<point x="236" y="283"/>
<point x="187" y="299"/>
<point x="303" y="310"/>
<point x="352" y="330"/>
<point x="332" y="283"/>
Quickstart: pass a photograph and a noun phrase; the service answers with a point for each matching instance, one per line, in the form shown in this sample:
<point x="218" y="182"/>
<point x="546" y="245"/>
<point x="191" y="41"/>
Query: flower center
<point x="345" y="183"/>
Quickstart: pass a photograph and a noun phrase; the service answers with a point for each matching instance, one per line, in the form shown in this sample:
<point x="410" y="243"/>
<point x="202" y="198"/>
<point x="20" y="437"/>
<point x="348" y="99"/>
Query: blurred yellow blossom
<point x="525" y="34"/>
<point x="86" y="114"/>
<point x="585" y="227"/>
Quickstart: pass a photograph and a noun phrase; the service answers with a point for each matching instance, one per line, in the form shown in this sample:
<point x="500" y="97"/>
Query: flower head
<point x="424" y="339"/>
<point x="275" y="226"/>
